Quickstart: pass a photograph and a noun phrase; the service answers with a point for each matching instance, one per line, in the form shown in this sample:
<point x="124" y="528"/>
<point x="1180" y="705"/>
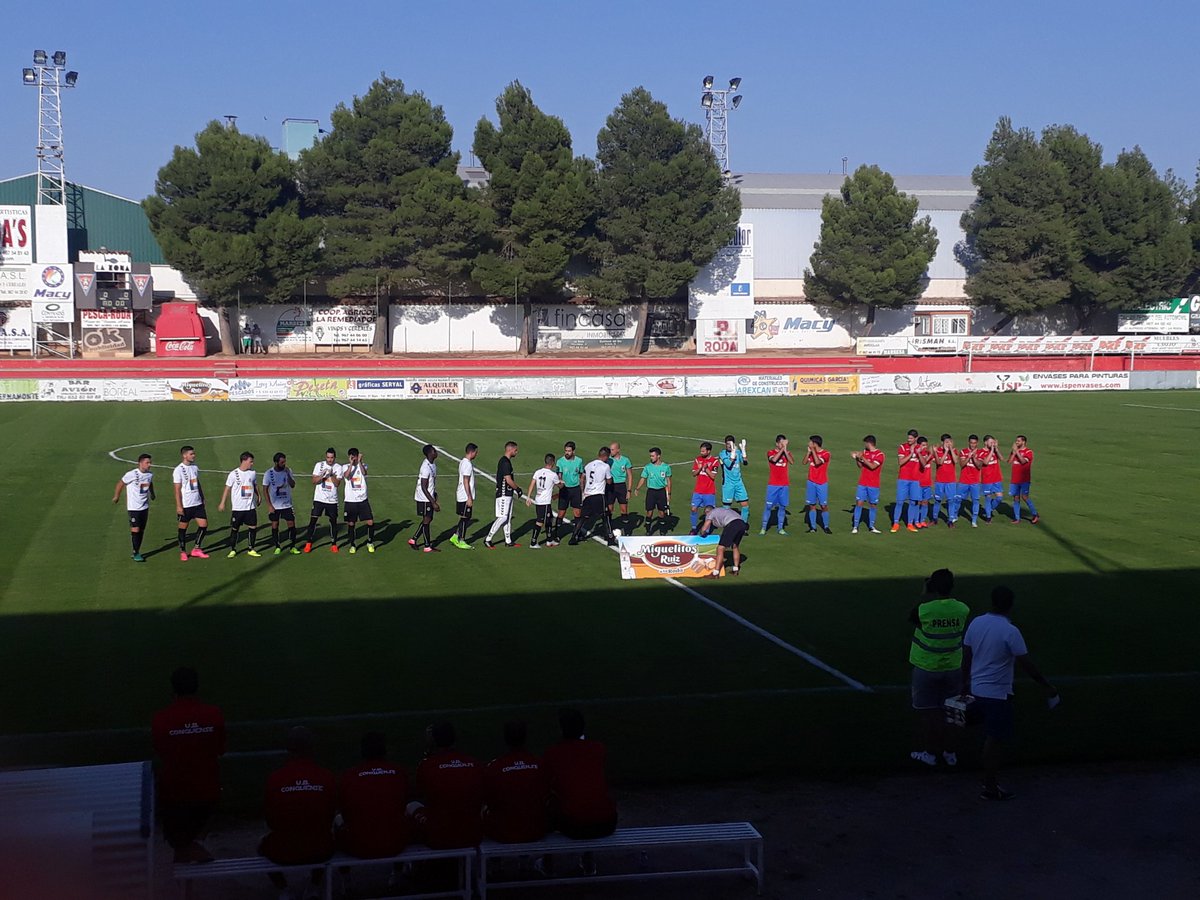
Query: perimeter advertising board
<point x="630" y="386"/>
<point x="806" y="385"/>
<point x="668" y="556"/>
<point x="795" y="326"/>
<point x="720" y="337"/>
<point x="198" y="389"/>
<point x="344" y="325"/>
<point x="737" y="385"/>
<point x="318" y="388"/>
<point x="16" y="328"/>
<point x="1176" y="316"/>
<point x="16" y="389"/>
<point x="571" y="327"/>
<point x="16" y="236"/>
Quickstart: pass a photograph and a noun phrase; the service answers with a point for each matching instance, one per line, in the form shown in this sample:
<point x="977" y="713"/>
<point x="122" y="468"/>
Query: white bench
<point x="224" y="869"/>
<point x="739" y="835"/>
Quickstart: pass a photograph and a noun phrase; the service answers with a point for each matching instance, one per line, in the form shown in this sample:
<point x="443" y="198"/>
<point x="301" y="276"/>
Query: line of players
<point x="927" y="477"/>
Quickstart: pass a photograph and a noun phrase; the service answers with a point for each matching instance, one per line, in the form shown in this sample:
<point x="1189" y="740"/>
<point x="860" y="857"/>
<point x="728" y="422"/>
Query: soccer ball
<point x="616" y="532"/>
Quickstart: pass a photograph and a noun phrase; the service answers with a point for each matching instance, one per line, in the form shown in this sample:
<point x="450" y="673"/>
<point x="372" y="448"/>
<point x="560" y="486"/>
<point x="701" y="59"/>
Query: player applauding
<point x="870" y="466"/>
<point x="1021" y="458"/>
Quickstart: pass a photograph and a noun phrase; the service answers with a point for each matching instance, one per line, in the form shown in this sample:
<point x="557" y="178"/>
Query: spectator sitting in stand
<point x="580" y="804"/>
<point x="372" y="800"/>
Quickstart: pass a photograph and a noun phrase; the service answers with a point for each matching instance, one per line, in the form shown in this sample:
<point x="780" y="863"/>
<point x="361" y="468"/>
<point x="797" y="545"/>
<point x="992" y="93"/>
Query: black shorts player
<point x="425" y="508"/>
<point x="287" y="514"/>
<point x="617" y="493"/>
<point x="138" y="518"/>
<point x="593" y="506"/>
<point x="247" y="518"/>
<point x="193" y="512"/>
<point x="358" y="511"/>
<point x="328" y="510"/>
<point x="656" y="498"/>
<point x="570" y="497"/>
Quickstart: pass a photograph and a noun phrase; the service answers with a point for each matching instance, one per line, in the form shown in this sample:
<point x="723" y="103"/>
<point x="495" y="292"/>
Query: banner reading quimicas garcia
<point x="670" y="557"/>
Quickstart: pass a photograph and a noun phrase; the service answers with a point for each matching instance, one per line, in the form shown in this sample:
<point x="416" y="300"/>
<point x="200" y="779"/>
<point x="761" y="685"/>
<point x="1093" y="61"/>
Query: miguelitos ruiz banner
<point x="669" y="556"/>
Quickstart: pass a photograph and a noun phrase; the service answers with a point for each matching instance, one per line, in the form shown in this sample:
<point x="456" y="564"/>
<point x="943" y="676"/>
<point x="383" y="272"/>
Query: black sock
<point x="425" y="530"/>
<point x="183" y="540"/>
<point x="463" y="523"/>
<point x="200" y="537"/>
<point x="609" y="525"/>
<point x="233" y="538"/>
<point x="312" y="530"/>
<point x="577" y="530"/>
<point x="275" y="536"/>
<point x="537" y="530"/>
<point x="253" y="532"/>
<point x="351" y="532"/>
<point x="136" y="537"/>
<point x="370" y="532"/>
<point x="292" y="534"/>
<point x="333" y="530"/>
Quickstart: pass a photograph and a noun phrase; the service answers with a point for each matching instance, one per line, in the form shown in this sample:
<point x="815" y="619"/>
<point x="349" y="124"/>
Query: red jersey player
<point x="870" y="466"/>
<point x="925" y="480"/>
<point x="816" y="492"/>
<point x="908" y="484"/>
<point x="968" y="477"/>
<point x="451" y="785"/>
<point x="945" y="487"/>
<point x="1021" y="458"/>
<point x="189" y="737"/>
<point x="705" y="467"/>
<point x="373" y="796"/>
<point x="779" y="459"/>
<point x="515" y="792"/>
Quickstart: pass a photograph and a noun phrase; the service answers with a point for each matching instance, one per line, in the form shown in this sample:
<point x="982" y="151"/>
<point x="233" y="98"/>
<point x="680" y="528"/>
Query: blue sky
<point x="913" y="87"/>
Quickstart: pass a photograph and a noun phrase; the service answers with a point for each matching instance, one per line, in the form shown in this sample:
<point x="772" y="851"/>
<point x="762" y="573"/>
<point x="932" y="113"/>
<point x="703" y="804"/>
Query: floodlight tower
<point x="717" y="103"/>
<point x="50" y="77"/>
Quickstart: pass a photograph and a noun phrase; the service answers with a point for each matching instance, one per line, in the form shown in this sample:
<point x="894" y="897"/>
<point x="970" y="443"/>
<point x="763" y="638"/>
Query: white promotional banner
<point x="259" y="389"/>
<point x="283" y="327"/>
<point x="630" y="386"/>
<point x="344" y="325"/>
<point x="1044" y="345"/>
<point x="436" y="388"/>
<point x="136" y="389"/>
<point x="73" y="389"/>
<point x="14" y="284"/>
<point x="52" y="292"/>
<point x="16" y="328"/>
<point x="906" y="383"/>
<point x="16" y="236"/>
<point x="1028" y="382"/>
<point x="106" y="318"/>
<point x="571" y="327"/>
<point x="720" y="337"/>
<point x="725" y="287"/>
<point x="737" y="385"/>
<point x="455" y="328"/>
<point x="795" y="326"/>
<point x="512" y="388"/>
<point x="381" y="389"/>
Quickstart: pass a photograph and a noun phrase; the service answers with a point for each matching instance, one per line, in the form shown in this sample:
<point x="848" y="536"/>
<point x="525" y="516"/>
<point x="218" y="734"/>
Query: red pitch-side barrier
<point x="279" y="366"/>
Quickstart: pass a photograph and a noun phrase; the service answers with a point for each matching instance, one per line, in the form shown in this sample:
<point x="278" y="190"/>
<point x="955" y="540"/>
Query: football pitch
<point x="799" y="664"/>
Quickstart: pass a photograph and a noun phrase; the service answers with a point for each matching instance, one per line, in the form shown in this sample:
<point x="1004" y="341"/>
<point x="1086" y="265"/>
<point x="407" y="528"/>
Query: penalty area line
<point x="691" y="592"/>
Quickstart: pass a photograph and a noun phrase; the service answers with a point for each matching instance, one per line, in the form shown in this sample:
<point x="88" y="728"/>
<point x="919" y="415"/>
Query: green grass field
<point x="1106" y="587"/>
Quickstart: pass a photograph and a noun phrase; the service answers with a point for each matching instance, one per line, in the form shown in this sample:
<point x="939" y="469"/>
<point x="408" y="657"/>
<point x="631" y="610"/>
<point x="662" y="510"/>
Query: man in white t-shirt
<point x="597" y="479"/>
<point x="241" y="489"/>
<point x="189" y="503"/>
<point x="358" y="507"/>
<point x="992" y="647"/>
<point x="278" y="484"/>
<point x="464" y="496"/>
<point x="427" y="502"/>
<point x="326" y="476"/>
<point x="138" y="485"/>
<point x="541" y="489"/>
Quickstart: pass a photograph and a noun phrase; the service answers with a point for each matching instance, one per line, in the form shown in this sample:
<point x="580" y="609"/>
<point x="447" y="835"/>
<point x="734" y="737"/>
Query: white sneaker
<point x="974" y="524"/>
<point x="951" y="759"/>
<point x="923" y="756"/>
<point x="854" y="530"/>
<point x="876" y="531"/>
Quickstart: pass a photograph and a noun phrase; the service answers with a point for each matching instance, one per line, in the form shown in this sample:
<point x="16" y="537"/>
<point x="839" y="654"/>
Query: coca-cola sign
<point x="179" y="346"/>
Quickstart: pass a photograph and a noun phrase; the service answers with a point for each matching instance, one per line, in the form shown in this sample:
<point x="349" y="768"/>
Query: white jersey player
<point x="326" y="476"/>
<point x="358" y="507"/>
<point x="189" y="503"/>
<point x="427" y="502"/>
<point x="597" y="476"/>
<point x="241" y="490"/>
<point x="138" y="485"/>
<point x="541" y="488"/>
<point x="464" y="496"/>
<point x="278" y="483"/>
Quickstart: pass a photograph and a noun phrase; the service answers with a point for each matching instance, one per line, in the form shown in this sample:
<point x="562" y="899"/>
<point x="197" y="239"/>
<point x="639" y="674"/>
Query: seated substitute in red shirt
<point x="189" y="738"/>
<point x="515" y="793"/>
<point x="580" y="804"/>
<point x="372" y="798"/>
<point x="449" y="786"/>
<point x="300" y="805"/>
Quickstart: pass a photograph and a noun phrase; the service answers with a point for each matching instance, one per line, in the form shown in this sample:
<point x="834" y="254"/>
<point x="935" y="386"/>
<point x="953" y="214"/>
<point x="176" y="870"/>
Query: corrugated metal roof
<point x="95" y="219"/>
<point x="761" y="190"/>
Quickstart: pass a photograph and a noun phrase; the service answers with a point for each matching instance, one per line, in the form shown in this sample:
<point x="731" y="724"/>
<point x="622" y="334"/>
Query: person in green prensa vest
<point x="935" y="653"/>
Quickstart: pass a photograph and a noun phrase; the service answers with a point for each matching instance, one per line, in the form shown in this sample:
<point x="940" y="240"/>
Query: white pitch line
<point x="1173" y="408"/>
<point x="744" y="622"/>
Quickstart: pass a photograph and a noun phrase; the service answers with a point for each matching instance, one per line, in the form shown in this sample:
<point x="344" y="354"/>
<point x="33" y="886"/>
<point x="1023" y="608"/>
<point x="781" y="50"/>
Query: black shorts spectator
<point x="732" y="534"/>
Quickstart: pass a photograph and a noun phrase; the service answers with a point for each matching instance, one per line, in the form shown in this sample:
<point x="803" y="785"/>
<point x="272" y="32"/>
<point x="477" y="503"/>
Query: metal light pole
<point x="717" y="103"/>
<point x="48" y="75"/>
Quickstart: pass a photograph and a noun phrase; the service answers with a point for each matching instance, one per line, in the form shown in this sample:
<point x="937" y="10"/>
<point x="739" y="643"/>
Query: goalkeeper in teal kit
<point x="733" y="489"/>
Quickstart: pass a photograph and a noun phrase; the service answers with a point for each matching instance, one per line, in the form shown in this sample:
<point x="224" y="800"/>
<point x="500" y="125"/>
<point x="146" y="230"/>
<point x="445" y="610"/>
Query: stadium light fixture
<point x="717" y="103"/>
<point x="39" y="57"/>
<point x="29" y="76"/>
<point x="60" y="57"/>
<point x="73" y="77"/>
